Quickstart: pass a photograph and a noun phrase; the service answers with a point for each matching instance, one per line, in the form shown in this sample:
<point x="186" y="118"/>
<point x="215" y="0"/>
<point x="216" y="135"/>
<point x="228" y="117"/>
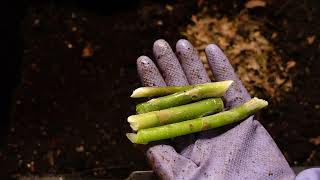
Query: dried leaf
<point x="279" y="80"/>
<point x="315" y="141"/>
<point x="290" y="65"/>
<point x="159" y="23"/>
<point x="255" y="3"/>
<point x="169" y="7"/>
<point x="87" y="51"/>
<point x="312" y="155"/>
<point x="274" y="35"/>
<point x="310" y="39"/>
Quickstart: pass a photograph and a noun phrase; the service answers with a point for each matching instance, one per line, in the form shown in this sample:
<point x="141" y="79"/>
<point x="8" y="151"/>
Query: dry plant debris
<point x="261" y="69"/>
<point x="310" y="39"/>
<point x="255" y="3"/>
<point x="87" y="51"/>
<point x="315" y="141"/>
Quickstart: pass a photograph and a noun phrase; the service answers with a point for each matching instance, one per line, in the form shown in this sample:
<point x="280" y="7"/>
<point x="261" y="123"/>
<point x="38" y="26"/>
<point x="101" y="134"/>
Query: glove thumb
<point x="168" y="164"/>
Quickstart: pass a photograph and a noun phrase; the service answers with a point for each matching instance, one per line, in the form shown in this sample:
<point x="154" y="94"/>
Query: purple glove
<point x="309" y="174"/>
<point x="245" y="151"/>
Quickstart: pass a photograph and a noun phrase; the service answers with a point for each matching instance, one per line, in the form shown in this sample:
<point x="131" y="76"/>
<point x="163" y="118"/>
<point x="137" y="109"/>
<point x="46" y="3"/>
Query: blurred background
<point x="68" y="68"/>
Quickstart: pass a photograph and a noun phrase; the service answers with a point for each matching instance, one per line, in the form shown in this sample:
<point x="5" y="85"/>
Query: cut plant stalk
<point x="176" y="114"/>
<point x="143" y="92"/>
<point x="236" y="114"/>
<point x="208" y="90"/>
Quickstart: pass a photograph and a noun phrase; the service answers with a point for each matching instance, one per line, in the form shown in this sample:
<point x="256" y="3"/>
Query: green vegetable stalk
<point x="145" y="136"/>
<point x="162" y="91"/>
<point x="208" y="90"/>
<point x="176" y="114"/>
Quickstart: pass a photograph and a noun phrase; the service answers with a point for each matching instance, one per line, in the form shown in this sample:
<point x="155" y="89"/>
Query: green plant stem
<point x="144" y="92"/>
<point x="236" y="114"/>
<point x="176" y="114"/>
<point x="208" y="90"/>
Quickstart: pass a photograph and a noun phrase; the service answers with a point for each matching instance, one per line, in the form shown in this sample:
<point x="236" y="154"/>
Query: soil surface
<point x="73" y="69"/>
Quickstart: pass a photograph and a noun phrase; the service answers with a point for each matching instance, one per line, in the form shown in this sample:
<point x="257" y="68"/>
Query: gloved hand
<point x="245" y="151"/>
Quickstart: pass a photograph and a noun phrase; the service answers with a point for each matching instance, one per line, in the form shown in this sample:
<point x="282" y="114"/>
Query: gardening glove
<point x="309" y="174"/>
<point x="244" y="151"/>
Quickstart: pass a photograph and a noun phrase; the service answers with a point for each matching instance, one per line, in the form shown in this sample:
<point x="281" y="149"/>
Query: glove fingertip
<point x="222" y="70"/>
<point x="215" y="55"/>
<point x="148" y="72"/>
<point x="191" y="63"/>
<point x="183" y="43"/>
<point x="169" y="64"/>
<point x="159" y="45"/>
<point x="212" y="47"/>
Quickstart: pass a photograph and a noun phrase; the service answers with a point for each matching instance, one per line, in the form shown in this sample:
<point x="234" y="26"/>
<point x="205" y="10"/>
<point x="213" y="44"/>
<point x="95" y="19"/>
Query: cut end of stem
<point x="226" y="84"/>
<point x="133" y="123"/>
<point x="138" y="93"/>
<point x="256" y="103"/>
<point x="261" y="102"/>
<point x="132" y="137"/>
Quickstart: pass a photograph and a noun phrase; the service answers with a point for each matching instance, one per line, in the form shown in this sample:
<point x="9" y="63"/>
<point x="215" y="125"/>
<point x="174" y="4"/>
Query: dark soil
<point x="67" y="112"/>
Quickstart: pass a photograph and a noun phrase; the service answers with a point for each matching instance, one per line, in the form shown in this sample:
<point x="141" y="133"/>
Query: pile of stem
<point x="184" y="110"/>
<point x="241" y="112"/>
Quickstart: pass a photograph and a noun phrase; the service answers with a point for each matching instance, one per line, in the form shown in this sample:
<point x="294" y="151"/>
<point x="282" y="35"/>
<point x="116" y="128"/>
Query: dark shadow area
<point x="11" y="56"/>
